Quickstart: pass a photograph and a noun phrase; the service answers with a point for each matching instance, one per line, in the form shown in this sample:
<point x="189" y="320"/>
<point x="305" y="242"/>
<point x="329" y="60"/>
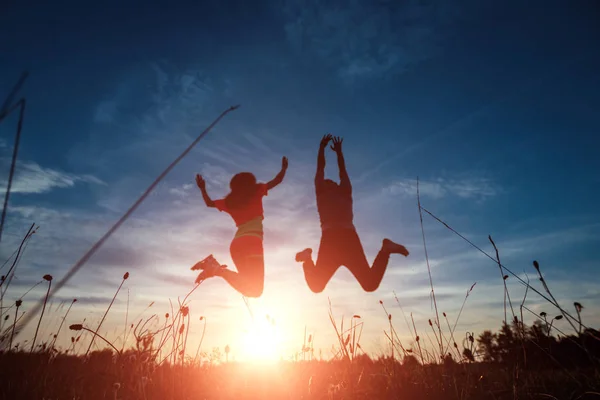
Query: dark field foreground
<point x="104" y="376"/>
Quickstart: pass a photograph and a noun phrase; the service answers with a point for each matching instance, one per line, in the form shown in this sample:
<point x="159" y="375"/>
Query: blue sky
<point x="491" y="104"/>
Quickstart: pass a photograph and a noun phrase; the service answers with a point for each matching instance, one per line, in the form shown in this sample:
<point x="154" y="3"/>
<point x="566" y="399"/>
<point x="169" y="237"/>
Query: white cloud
<point x="31" y="178"/>
<point x="470" y="188"/>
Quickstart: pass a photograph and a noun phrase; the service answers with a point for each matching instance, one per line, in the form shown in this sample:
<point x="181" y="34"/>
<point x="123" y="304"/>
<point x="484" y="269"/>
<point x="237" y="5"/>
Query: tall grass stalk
<point x="167" y="333"/>
<point x="437" y="315"/>
<point x="461" y="309"/>
<point x="63" y="321"/>
<point x="202" y="318"/>
<point x="417" y="339"/>
<point x="79" y="327"/>
<point x="565" y="314"/>
<point x="17" y="304"/>
<point x="7" y="278"/>
<point x="125" y="277"/>
<point x="503" y="277"/>
<point x="49" y="279"/>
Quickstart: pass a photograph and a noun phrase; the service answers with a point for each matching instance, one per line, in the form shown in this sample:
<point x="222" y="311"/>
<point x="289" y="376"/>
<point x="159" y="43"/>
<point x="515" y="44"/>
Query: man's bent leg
<point x="317" y="276"/>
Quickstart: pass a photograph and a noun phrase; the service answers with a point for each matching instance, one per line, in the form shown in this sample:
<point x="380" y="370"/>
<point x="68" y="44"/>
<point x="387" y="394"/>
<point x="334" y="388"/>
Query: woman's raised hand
<point x="200" y="182"/>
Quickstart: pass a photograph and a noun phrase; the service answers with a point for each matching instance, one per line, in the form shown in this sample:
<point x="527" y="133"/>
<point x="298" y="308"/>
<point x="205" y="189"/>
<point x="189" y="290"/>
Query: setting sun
<point x="261" y="342"/>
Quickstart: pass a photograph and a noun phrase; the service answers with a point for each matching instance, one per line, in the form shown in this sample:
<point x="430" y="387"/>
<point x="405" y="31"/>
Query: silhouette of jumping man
<point x="244" y="204"/>
<point x="340" y="244"/>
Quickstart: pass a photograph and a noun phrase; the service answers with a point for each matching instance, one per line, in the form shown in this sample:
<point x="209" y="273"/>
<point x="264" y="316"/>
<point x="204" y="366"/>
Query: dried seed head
<point x="6" y="317"/>
<point x="74" y="300"/>
<point x="471" y="339"/>
<point x="543" y="314"/>
<point x="126" y="276"/>
<point x="430" y="324"/>
<point x="389" y="317"/>
<point x="201" y="317"/>
<point x="76" y="327"/>
<point x="444" y="314"/>
<point x="48" y="277"/>
<point x="505" y="277"/>
<point x="72" y="339"/>
<point x="558" y="317"/>
<point x="185" y="310"/>
<point x="380" y="302"/>
<point x="181" y="328"/>
<point x="167" y="315"/>
<point x="455" y="345"/>
<point x="78" y="337"/>
<point x="356" y="316"/>
<point x="347" y="340"/>
<point x="536" y="265"/>
<point x="18" y="303"/>
<point x="578" y="306"/>
<point x="417" y="338"/>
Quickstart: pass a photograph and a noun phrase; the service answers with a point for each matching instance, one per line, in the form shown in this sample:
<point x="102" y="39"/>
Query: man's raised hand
<point x="337" y="144"/>
<point x="284" y="163"/>
<point x="200" y="182"/>
<point x="326" y="139"/>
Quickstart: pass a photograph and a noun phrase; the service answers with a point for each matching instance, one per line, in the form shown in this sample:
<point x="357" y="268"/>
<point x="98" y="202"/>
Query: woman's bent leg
<point x="247" y="254"/>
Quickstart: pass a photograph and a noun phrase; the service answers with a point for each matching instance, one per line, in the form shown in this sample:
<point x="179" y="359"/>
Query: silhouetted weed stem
<point x="578" y="308"/>
<point x="165" y="338"/>
<point x="337" y="332"/>
<point x="7" y="278"/>
<point x="393" y="332"/>
<point x="536" y="265"/>
<point x="521" y="280"/>
<point x="80" y="327"/>
<point x="451" y="338"/>
<point x="63" y="321"/>
<point x="461" y="309"/>
<point x="47" y="278"/>
<point x="437" y="315"/>
<point x="523" y="304"/>
<point x="403" y="314"/>
<point x="186" y="314"/>
<point x="6" y="282"/>
<point x="503" y="277"/>
<point x="17" y="305"/>
<point x="126" y="316"/>
<point x="202" y="318"/>
<point x="417" y="339"/>
<point x="24" y="295"/>
<point x="125" y="277"/>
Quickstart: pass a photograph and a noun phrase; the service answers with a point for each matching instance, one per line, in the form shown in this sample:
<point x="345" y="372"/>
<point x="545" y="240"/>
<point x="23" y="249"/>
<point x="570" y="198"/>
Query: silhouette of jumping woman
<point x="340" y="244"/>
<point x="244" y="204"/>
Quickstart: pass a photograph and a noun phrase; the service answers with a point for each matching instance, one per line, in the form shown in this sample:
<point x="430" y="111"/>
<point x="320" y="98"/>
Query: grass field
<point x="517" y="362"/>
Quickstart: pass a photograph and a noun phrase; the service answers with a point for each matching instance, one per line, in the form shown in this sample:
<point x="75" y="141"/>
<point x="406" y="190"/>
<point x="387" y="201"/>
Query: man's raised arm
<point x="344" y="178"/>
<point x="320" y="175"/>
